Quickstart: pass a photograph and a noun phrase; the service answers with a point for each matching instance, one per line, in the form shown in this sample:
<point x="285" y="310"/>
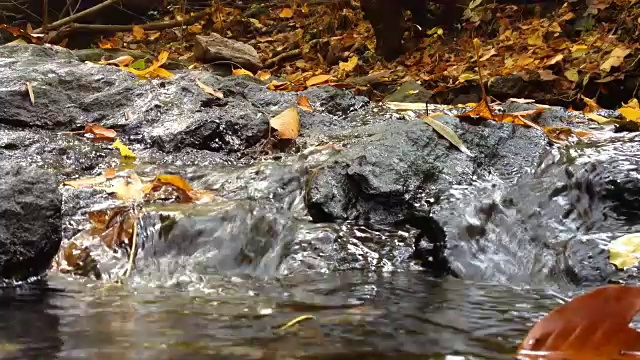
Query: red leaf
<point x="593" y="326"/>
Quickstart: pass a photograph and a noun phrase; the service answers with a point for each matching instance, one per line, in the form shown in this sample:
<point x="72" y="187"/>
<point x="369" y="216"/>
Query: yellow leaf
<point x="318" y="79"/>
<point x="138" y="32"/>
<point x="624" y="252"/>
<point x="286" y="13"/>
<point x="446" y="132"/>
<point x="350" y="65"/>
<point x="591" y="105"/>
<point x="598" y="118"/>
<point x="256" y="22"/>
<point x="263" y="75"/>
<point x="296" y="320"/>
<point x="241" y="72"/>
<point x="304" y="103"/>
<point x="572" y="74"/>
<point x="128" y="189"/>
<point x="579" y="50"/>
<point x="287" y="123"/>
<point x="615" y="59"/>
<point x="124" y="150"/>
<point x="195" y="29"/>
<point x="536" y="39"/>
<point x="554" y="60"/>
<point x="174" y="180"/>
<point x="209" y="90"/>
<point x="151" y="70"/>
<point x="630" y="113"/>
<point x="466" y="76"/>
<point x="406" y="106"/>
<point x="633" y="103"/>
<point x="160" y="73"/>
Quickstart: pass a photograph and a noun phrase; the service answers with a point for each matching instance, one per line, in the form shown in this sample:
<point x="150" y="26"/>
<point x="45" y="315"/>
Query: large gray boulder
<point x="30" y="221"/>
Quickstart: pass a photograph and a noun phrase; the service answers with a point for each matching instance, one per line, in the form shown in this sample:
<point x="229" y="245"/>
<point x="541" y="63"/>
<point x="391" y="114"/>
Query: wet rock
<point x="213" y="47"/>
<point x="510" y="86"/>
<point x="30" y="221"/>
<point x="391" y="169"/>
<point x="410" y="92"/>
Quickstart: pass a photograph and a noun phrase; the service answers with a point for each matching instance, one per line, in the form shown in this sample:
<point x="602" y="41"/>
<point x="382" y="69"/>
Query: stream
<point x="386" y="239"/>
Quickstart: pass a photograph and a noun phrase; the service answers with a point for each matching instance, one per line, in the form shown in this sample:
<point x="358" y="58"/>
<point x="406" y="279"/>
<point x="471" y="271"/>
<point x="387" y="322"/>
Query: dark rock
<point x="509" y="86"/>
<point x="410" y="92"/>
<point x="213" y="47"/>
<point x="30" y="221"/>
<point x="388" y="169"/>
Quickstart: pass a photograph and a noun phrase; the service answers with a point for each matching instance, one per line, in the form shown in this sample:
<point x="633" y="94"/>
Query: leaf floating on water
<point x="446" y="132"/>
<point x="124" y="150"/>
<point x="304" y="103"/>
<point x="593" y="326"/>
<point x="624" y="252"/>
<point x="287" y="123"/>
<point x="296" y="320"/>
<point x="209" y="90"/>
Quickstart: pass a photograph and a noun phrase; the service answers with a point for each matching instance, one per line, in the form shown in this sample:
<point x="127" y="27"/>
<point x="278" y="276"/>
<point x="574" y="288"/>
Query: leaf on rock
<point x="446" y="132"/>
<point x="318" y="79"/>
<point x="120" y="61"/>
<point x="154" y="70"/>
<point x="241" y="72"/>
<point x="130" y="189"/>
<point x="624" y="252"/>
<point x="287" y="123"/>
<point x="263" y="75"/>
<point x="630" y="113"/>
<point x="209" y="90"/>
<point x="406" y="106"/>
<point x="593" y="326"/>
<point x="304" y="104"/>
<point x="30" y="91"/>
<point x="124" y="150"/>
<point x="85" y="182"/>
<point x="99" y="131"/>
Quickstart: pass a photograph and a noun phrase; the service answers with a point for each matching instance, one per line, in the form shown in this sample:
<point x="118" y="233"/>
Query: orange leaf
<point x="304" y="104"/>
<point x="318" y="79"/>
<point x="593" y="326"/>
<point x="99" y="131"/>
<point x="286" y="13"/>
<point x="241" y="72"/>
<point x="481" y="110"/>
<point x="138" y="32"/>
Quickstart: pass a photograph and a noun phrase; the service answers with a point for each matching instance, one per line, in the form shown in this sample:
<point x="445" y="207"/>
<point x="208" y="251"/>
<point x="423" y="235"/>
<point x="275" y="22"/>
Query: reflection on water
<point x="374" y="316"/>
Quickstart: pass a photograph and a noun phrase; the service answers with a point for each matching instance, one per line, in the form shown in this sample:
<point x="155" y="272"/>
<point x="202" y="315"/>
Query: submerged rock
<point x="30" y="221"/>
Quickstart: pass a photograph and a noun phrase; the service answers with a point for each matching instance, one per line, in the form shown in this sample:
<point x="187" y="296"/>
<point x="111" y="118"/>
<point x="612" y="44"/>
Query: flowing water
<point x="175" y="307"/>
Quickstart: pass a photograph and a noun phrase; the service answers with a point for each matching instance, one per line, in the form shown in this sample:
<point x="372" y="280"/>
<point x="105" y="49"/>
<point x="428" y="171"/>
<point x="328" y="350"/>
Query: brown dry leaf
<point x="592" y="106"/>
<point x="99" y="131"/>
<point x="287" y="123"/>
<point x="304" y="104"/>
<point x="120" y="61"/>
<point x="32" y="98"/>
<point x="286" y="13"/>
<point x="209" y="90"/>
<point x="138" y="33"/>
<point x="195" y="29"/>
<point x="130" y="188"/>
<point x="481" y="110"/>
<point x="280" y="85"/>
<point x="584" y="327"/>
<point x="562" y="135"/>
<point x="318" y="79"/>
<point x="615" y="59"/>
<point x="169" y="186"/>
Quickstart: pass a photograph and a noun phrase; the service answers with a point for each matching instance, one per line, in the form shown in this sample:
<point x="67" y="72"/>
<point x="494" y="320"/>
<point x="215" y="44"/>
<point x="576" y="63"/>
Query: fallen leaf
<point x="121" y="61"/>
<point x="195" y="29"/>
<point x="583" y="328"/>
<point x="598" y="118"/>
<point x="446" y="132"/>
<point x="592" y="106"/>
<point x="562" y="135"/>
<point x="296" y="320"/>
<point x="406" y="106"/>
<point x="287" y="123"/>
<point x="349" y="65"/>
<point x="304" y="104"/>
<point x="630" y="113"/>
<point x="318" y="79"/>
<point x="99" y="131"/>
<point x="130" y="188"/>
<point x="30" y="91"/>
<point x="124" y="150"/>
<point x="138" y="32"/>
<point x="615" y="59"/>
<point x="286" y="13"/>
<point x="209" y="90"/>
<point x="241" y="72"/>
<point x="154" y="70"/>
<point x="85" y="182"/>
<point x="263" y="75"/>
<point x="624" y="252"/>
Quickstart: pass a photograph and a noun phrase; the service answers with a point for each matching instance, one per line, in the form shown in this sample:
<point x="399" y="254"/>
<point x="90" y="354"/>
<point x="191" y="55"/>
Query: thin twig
<point x="134" y="243"/>
<point x="76" y="17"/>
